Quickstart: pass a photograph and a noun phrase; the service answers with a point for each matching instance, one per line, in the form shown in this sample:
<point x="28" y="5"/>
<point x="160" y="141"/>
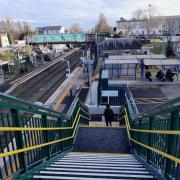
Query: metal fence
<point x="31" y="134"/>
<point x="155" y="136"/>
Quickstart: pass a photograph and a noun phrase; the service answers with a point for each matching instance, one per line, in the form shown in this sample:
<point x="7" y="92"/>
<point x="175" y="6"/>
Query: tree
<point x="75" y="28"/>
<point x="138" y="14"/>
<point x="148" y="17"/>
<point x="102" y="25"/>
<point x="169" y="49"/>
<point x="15" y="29"/>
<point x="8" y="26"/>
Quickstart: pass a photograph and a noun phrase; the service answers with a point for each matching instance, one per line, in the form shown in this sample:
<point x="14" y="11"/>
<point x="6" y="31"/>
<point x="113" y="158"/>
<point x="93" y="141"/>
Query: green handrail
<point x="31" y="134"/>
<point x="155" y="134"/>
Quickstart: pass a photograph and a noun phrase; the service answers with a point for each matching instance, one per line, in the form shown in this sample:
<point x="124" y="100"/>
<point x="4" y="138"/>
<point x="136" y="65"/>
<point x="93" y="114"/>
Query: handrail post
<point x="139" y="135"/>
<point x="19" y="138"/>
<point x="171" y="140"/>
<point x="46" y="134"/>
<point x="151" y="120"/>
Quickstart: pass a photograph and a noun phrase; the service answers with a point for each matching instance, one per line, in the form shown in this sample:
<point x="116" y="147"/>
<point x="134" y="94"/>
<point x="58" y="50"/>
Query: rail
<point x="155" y="136"/>
<point x="31" y="134"/>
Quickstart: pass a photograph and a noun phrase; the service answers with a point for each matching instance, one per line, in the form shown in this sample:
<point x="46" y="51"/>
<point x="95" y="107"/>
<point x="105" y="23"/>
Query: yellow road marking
<point x="137" y="102"/>
<point x="149" y="100"/>
<point x="152" y="98"/>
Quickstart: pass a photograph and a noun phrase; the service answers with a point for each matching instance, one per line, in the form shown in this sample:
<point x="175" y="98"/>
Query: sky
<point x="83" y="12"/>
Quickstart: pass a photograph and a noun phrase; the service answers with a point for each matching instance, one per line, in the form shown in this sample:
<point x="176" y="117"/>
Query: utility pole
<point x="69" y="73"/>
<point x="89" y="74"/>
<point x="150" y="18"/>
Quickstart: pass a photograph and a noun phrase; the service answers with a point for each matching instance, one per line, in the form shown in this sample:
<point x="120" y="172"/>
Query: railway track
<point x="44" y="84"/>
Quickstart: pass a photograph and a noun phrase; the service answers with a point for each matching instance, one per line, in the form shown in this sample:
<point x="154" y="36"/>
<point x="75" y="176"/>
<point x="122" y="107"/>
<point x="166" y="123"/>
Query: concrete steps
<point x="100" y="166"/>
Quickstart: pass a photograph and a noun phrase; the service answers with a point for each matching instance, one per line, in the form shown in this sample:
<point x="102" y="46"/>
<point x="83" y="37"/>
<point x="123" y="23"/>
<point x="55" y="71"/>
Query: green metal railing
<point x="67" y="38"/>
<point x="31" y="134"/>
<point x="155" y="136"/>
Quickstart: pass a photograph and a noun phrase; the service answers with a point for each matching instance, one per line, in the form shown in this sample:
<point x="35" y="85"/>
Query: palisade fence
<point x="31" y="134"/>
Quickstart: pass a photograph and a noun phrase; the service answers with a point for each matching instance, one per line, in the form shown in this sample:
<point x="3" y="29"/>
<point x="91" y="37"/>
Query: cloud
<point x="85" y="12"/>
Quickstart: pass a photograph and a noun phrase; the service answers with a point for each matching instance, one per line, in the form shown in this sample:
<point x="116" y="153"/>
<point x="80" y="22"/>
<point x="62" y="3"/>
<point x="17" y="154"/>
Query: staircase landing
<point x="102" y="140"/>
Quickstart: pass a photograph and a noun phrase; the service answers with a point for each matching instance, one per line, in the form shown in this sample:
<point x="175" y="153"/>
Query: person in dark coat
<point x="109" y="115"/>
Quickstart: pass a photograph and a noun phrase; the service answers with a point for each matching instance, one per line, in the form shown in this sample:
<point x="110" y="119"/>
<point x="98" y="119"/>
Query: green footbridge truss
<point x="32" y="136"/>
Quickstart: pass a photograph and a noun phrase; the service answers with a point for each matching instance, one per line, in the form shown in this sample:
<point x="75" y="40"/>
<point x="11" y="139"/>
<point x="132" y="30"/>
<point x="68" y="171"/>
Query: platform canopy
<point x="161" y="62"/>
<point x="121" y="61"/>
<point x="143" y="56"/>
<point x="120" y="44"/>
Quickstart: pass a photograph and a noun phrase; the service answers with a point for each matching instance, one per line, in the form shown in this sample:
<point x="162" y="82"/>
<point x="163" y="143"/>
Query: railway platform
<point x="16" y="82"/>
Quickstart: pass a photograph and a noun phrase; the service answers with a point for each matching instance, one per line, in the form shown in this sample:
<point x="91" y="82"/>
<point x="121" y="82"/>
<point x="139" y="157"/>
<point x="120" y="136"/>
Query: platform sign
<point x="110" y="93"/>
<point x="177" y="48"/>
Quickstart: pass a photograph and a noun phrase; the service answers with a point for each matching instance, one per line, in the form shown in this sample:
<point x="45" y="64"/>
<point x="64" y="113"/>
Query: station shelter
<point x="114" y="51"/>
<point x="121" y="68"/>
<point x="154" y="65"/>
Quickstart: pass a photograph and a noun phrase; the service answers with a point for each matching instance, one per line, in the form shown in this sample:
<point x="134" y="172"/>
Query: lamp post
<point x="150" y="18"/>
<point x="69" y="74"/>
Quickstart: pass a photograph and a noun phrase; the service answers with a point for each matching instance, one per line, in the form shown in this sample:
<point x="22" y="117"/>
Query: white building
<point x="50" y="30"/>
<point x="4" y="42"/>
<point x="162" y="25"/>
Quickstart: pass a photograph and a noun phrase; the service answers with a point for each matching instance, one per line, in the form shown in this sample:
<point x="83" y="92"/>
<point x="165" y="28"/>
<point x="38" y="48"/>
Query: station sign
<point x="108" y="93"/>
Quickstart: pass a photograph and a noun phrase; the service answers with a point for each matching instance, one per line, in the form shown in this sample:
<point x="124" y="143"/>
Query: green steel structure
<point x="155" y="136"/>
<point x="67" y="38"/>
<point x="31" y="134"/>
<point x="54" y="38"/>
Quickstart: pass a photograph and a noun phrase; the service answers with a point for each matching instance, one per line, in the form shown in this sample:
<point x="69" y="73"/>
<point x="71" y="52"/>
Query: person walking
<point x="109" y="115"/>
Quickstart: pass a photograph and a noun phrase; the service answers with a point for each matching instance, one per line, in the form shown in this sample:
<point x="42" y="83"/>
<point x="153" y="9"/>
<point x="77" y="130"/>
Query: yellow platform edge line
<point x="66" y="91"/>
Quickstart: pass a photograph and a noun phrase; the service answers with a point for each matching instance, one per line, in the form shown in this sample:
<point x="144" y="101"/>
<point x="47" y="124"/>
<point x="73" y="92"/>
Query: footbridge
<point x="65" y="38"/>
<point x="40" y="143"/>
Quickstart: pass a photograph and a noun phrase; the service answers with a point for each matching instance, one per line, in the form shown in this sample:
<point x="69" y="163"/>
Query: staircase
<point x="95" y="166"/>
<point x="110" y="160"/>
<point x="39" y="49"/>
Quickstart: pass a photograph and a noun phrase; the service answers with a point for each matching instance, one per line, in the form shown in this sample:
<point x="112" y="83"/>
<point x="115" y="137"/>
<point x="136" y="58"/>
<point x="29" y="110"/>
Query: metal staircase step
<point x="100" y="158"/>
<point x="70" y="178"/>
<point x="98" y="175"/>
<point x="97" y="170"/>
<point x="95" y="167"/>
<point x="98" y="167"/>
<point x="98" y="155"/>
<point x="101" y="164"/>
